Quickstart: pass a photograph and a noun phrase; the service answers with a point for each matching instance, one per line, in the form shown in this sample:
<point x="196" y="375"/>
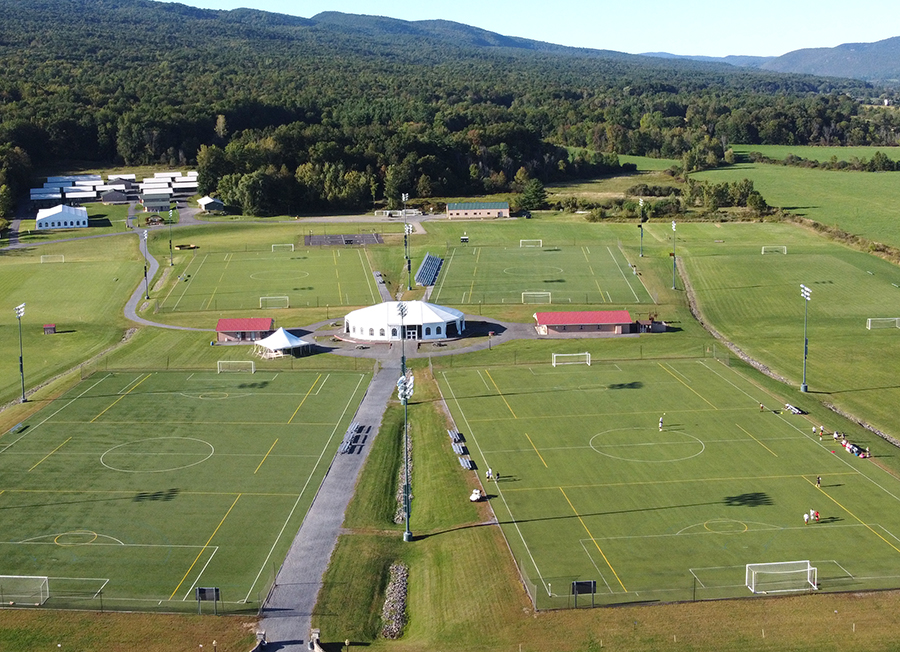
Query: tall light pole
<point x="408" y="228"/>
<point x="673" y="253"/>
<point x="146" y="284"/>
<point x="171" y="255"/>
<point x="20" y="311"/>
<point x="641" y="227"/>
<point x="406" y="232"/>
<point x="404" y="392"/>
<point x="806" y="293"/>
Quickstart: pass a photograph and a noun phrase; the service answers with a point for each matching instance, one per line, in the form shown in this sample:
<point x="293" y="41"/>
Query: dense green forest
<point x="285" y="114"/>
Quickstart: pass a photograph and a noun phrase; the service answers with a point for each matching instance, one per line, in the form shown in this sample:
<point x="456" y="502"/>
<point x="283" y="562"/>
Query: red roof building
<point x="247" y="329"/>
<point x="614" y="322"/>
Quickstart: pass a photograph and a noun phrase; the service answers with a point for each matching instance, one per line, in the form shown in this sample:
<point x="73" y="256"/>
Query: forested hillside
<point x="287" y="114"/>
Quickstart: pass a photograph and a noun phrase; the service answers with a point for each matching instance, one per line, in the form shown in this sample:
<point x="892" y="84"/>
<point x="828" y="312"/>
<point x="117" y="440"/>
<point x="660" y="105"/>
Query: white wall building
<point x="61" y="217"/>
<point x="423" y="321"/>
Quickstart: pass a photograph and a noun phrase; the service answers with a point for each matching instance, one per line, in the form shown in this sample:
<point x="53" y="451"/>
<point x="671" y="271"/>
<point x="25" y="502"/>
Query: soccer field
<point x="135" y="488"/>
<point x="557" y="274"/>
<point x="592" y="489"/>
<point x="282" y="278"/>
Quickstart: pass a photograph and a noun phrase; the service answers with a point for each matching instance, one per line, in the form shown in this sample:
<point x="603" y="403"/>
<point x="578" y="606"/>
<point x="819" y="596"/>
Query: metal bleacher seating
<point x="466" y="463"/>
<point x="456" y="436"/>
<point x="459" y="449"/>
<point x="429" y="270"/>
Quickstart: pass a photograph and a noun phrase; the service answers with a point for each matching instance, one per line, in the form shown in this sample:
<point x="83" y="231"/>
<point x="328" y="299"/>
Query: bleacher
<point x="354" y="438"/>
<point x="429" y="270"/>
<point x="461" y="451"/>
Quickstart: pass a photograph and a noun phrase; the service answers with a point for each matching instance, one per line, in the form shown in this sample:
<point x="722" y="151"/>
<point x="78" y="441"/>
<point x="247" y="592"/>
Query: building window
<point x="393" y="332"/>
<point x="437" y="331"/>
<point x="354" y="329"/>
<point x="381" y="333"/>
<point x="428" y="330"/>
<point x="371" y="332"/>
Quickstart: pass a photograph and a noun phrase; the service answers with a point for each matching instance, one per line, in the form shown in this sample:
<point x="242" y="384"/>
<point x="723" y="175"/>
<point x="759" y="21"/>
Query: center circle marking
<point x="151" y="456"/>
<point x="726" y="526"/>
<point x="278" y="275"/>
<point x="647" y="445"/>
<point x="533" y="270"/>
<point x="77" y="538"/>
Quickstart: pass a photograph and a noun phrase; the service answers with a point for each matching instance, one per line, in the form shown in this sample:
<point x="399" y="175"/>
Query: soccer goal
<point x="774" y="249"/>
<point x="781" y="577"/>
<point x="531" y="243"/>
<point x="53" y="258"/>
<point x="282" y="247"/>
<point x="571" y="358"/>
<point x="239" y="366"/>
<point x="882" y="322"/>
<point x="537" y="297"/>
<point x="274" y="302"/>
<point x="25" y="589"/>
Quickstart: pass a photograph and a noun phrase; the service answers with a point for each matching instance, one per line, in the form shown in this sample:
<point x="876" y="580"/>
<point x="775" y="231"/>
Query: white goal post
<point x="571" y="358"/>
<point x="882" y="322"/>
<point x="282" y="247"/>
<point x="537" y="297"/>
<point x="774" y="249"/>
<point x="275" y="302"/>
<point x="238" y="366"/>
<point x="53" y="258"/>
<point x="531" y="243"/>
<point x="781" y="577"/>
<point x="24" y="589"/>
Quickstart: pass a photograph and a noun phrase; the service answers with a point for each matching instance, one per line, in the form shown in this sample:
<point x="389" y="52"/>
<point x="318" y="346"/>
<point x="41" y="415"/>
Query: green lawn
<point x="592" y="489"/>
<point x="144" y="485"/>
<point x="813" y="153"/>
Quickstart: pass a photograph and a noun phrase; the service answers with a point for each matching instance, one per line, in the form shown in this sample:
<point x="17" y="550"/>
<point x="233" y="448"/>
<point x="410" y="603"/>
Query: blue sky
<point x="708" y="27"/>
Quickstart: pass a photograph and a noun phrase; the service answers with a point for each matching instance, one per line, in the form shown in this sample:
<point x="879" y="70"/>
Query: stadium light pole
<point x="641" y="227"/>
<point x="146" y="284"/>
<point x="806" y="293"/>
<point x="641" y="224"/>
<point x="171" y="255"/>
<point x="404" y="391"/>
<point x="673" y="254"/>
<point x="20" y="312"/>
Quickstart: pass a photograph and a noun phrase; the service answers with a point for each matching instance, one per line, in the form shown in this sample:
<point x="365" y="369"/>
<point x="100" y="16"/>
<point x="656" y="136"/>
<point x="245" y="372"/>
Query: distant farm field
<point x="822" y="154"/>
<point x="134" y="488"/>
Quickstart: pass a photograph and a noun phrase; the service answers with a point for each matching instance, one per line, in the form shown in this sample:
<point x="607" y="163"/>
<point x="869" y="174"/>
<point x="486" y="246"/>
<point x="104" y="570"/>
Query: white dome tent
<point x="423" y="321"/>
<point x="277" y="343"/>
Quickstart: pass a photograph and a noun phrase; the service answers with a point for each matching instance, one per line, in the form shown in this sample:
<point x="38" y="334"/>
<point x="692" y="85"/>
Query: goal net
<point x="531" y="243"/>
<point x="26" y="589"/>
<point x="53" y="258"/>
<point x="781" y="577"/>
<point x="571" y="358"/>
<point x="774" y="249"/>
<point x="537" y="297"/>
<point x="239" y="366"/>
<point x="274" y="302"/>
<point x="882" y="322"/>
<point x="282" y="247"/>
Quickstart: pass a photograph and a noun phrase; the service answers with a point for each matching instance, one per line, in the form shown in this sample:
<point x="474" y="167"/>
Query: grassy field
<point x="87" y="321"/>
<point x="134" y="488"/>
<point x="823" y="154"/>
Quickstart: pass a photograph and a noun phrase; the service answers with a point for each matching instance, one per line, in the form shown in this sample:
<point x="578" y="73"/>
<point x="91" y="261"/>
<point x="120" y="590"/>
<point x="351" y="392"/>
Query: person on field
<point x="660" y="424"/>
<point x="805" y="518"/>
<point x="818" y="481"/>
<point x="489" y="474"/>
<point x="817" y="517"/>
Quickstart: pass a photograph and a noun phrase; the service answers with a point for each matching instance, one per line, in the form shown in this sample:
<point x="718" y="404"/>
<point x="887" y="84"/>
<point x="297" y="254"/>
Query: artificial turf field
<point x="591" y="489"/>
<point x="597" y="273"/>
<point x="236" y="280"/>
<point x="146" y="485"/>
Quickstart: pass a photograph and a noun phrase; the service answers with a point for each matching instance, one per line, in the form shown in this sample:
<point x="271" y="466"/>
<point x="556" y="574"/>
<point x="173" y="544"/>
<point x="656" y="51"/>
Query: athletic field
<point x="592" y="489"/>
<point x="135" y="488"/>
<point x="276" y="277"/>
<point x="546" y="273"/>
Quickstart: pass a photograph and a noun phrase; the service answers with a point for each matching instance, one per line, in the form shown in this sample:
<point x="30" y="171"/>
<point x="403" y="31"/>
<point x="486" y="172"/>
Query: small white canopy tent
<point x="275" y="345"/>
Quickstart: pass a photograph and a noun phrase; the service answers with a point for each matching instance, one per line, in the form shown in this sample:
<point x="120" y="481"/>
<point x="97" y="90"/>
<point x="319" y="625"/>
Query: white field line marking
<point x="175" y="284"/>
<point x="200" y="574"/>
<point x="444" y="276"/>
<point x="302" y="491"/>
<point x="594" y="564"/>
<point x="322" y="385"/>
<point x="368" y="273"/>
<point x="136" y="378"/>
<point x="471" y="436"/>
<point x="190" y="281"/>
<point x="32" y="429"/>
<point x="627" y="282"/>
<point x="488" y="387"/>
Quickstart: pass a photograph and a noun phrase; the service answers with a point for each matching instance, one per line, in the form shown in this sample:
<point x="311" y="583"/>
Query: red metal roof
<point x="244" y="325"/>
<point x="582" y="317"/>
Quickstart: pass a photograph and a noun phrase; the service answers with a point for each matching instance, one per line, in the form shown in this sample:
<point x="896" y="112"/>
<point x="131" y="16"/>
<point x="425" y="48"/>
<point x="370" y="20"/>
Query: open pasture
<point x="134" y="488"/>
<point x="238" y="280"/>
<point x="592" y="489"/>
<point x="590" y="273"/>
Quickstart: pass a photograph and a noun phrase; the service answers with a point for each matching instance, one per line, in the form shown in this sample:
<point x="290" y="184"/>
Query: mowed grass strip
<point x="146" y="484"/>
<point x="592" y="488"/>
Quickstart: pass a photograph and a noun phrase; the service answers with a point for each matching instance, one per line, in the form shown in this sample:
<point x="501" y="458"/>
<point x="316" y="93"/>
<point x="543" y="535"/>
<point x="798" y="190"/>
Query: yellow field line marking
<point x="680" y="481"/>
<point x="586" y="259"/>
<point x="266" y="456"/>
<point x="864" y="524"/>
<point x="501" y="393"/>
<point x="536" y="450"/>
<point x="205" y="546"/>
<point x="758" y="441"/>
<point x="119" y="399"/>
<point x="334" y="256"/>
<point x="600" y="289"/>
<point x="584" y="525"/>
<point x="304" y="398"/>
<point x="686" y="385"/>
<point x="50" y="453"/>
<point x="477" y="254"/>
